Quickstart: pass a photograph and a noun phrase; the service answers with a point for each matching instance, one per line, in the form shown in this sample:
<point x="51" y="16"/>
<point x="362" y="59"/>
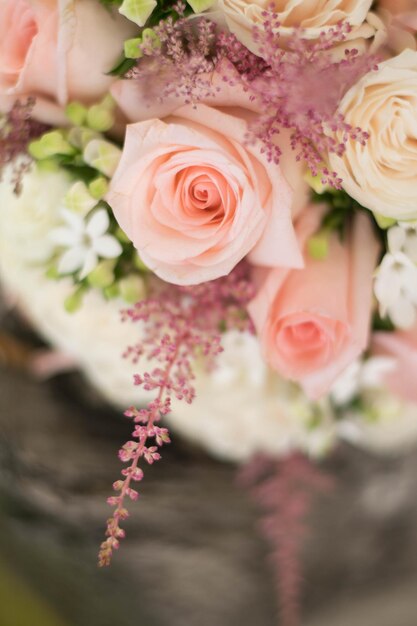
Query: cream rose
<point x="57" y="51"/>
<point x="313" y="16"/>
<point x="194" y="200"/>
<point x="382" y="174"/>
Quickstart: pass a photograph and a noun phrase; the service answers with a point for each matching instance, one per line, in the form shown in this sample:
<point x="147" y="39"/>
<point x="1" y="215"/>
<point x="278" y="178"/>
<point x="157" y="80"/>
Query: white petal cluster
<point x="360" y="376"/>
<point x="242" y="407"/>
<point x="26" y="220"/>
<point x="85" y="240"/>
<point x="396" y="278"/>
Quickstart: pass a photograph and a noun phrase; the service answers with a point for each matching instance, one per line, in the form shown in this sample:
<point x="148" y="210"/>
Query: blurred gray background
<point x="193" y="555"/>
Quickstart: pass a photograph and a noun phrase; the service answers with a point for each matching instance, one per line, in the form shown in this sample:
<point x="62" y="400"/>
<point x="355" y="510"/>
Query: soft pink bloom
<point x="402" y="347"/>
<point x="57" y="51"/>
<point x="140" y="99"/>
<point x="400" y="21"/>
<point x="195" y="200"/>
<point x="313" y="322"/>
<point x="145" y="97"/>
<point x="398" y="6"/>
<point x="408" y="20"/>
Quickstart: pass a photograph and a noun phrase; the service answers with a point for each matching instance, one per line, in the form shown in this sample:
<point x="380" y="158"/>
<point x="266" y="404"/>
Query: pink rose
<point x="194" y="200"/>
<point x="398" y="6"/>
<point x="401" y="18"/>
<point x="140" y="100"/>
<point x="143" y="98"/>
<point x="57" y="51"/>
<point x="401" y="346"/>
<point x="313" y="322"/>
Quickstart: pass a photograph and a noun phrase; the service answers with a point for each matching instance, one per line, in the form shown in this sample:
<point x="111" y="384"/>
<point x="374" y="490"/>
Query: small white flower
<point x="403" y="238"/>
<point x="346" y="386"/>
<point x="86" y="242"/>
<point x="361" y="376"/>
<point x="395" y="288"/>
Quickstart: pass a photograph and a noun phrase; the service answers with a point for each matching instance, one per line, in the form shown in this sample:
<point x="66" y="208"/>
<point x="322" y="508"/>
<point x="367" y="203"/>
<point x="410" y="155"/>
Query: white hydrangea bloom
<point x="403" y="238"/>
<point x="26" y="220"/>
<point x="359" y="376"/>
<point x="395" y="288"/>
<point x="242" y="407"/>
<point x="85" y="240"/>
<point x="390" y="425"/>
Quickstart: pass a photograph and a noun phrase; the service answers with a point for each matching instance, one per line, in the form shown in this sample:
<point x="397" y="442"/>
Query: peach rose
<point x="312" y="323"/>
<point x="401" y="346"/>
<point x="140" y="100"/>
<point x="313" y="16"/>
<point x="57" y="51"/>
<point x="194" y="200"/>
<point x="398" y="6"/>
<point x="382" y="174"/>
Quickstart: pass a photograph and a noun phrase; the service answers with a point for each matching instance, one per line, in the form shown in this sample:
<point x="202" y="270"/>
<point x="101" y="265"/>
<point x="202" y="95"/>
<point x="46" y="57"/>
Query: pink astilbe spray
<point x="300" y="90"/>
<point x="180" y="324"/>
<point x="17" y="130"/>
<point x="181" y="63"/>
<point x="297" y="84"/>
<point x="285" y="490"/>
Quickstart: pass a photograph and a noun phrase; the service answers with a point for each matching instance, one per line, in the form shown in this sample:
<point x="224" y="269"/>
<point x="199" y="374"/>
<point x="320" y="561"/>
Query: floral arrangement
<point x="239" y="180"/>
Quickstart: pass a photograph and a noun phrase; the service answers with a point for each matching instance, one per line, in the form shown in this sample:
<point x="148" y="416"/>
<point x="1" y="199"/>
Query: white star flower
<point x="403" y="238"/>
<point x="396" y="289"/>
<point x="85" y="241"/>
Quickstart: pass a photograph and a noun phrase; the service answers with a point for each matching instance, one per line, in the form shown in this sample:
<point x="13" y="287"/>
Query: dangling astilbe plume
<point x="180" y="324"/>
<point x="296" y="84"/>
<point x="17" y="130"/>
<point x="285" y="490"/>
<point x="182" y="62"/>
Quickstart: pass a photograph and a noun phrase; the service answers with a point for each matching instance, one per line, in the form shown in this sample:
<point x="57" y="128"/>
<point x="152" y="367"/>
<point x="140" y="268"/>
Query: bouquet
<point x="225" y="193"/>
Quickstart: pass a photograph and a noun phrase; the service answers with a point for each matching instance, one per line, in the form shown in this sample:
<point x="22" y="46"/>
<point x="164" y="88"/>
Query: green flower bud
<point x="132" y="288"/>
<point x="131" y="48"/>
<point x="150" y="38"/>
<point x="111" y="292"/>
<point x="48" y="165"/>
<point x="50" y="144"/>
<point x="79" y="200"/>
<point x="102" y="156"/>
<point x="98" y="187"/>
<point x="79" y="137"/>
<point x="100" y="118"/>
<point x="76" y="113"/>
<point x="198" y="6"/>
<point x="138" y="11"/>
<point x="102" y="275"/>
